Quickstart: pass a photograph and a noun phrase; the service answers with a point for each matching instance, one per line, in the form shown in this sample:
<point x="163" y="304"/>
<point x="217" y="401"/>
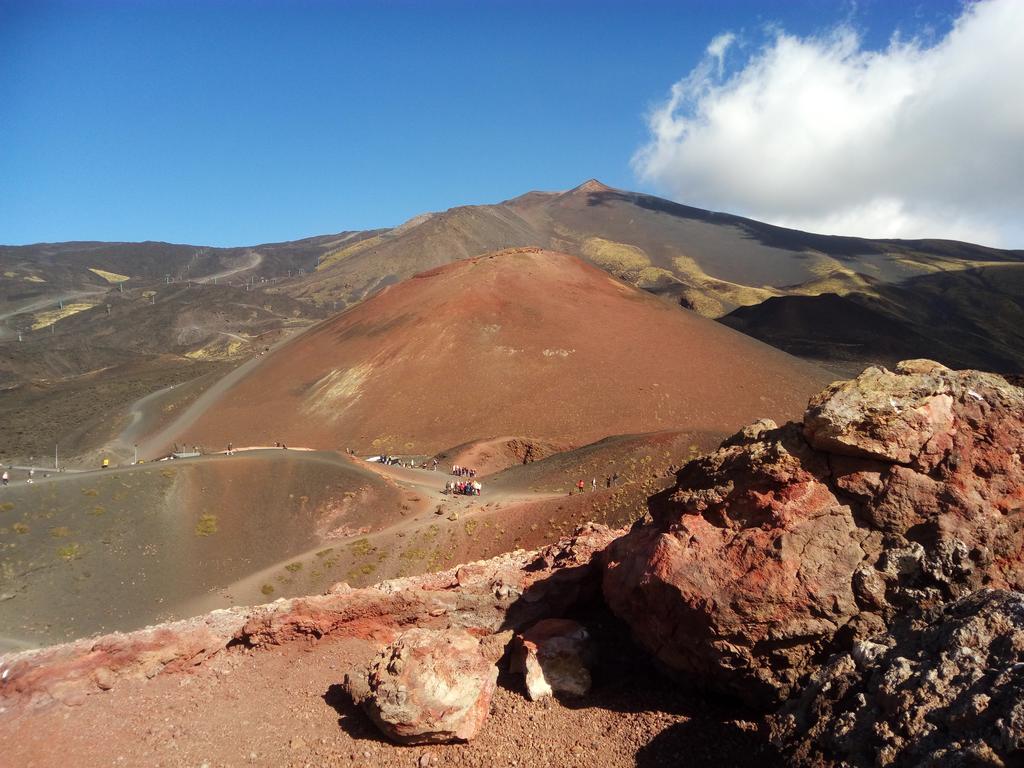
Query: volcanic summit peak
<point x="589" y="186"/>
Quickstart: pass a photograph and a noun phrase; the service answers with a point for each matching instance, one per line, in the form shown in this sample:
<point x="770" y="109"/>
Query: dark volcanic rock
<point x="899" y="491"/>
<point x="951" y="693"/>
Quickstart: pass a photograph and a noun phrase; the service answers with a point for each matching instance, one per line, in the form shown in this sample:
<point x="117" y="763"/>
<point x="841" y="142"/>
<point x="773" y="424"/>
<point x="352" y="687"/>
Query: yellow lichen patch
<point x="619" y="258"/>
<point x="839" y="281"/>
<point x="931" y="264"/>
<point x="218" y="351"/>
<point x="338" y="389"/>
<point x="626" y="261"/>
<point x="712" y="297"/>
<point x="110" y="277"/>
<point x="343" y="253"/>
<point x="46" y="319"/>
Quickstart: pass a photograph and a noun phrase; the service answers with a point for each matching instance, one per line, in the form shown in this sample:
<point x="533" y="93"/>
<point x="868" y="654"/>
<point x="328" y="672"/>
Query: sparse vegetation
<point x="90" y="492"/>
<point x="46" y="319"/>
<point x="362" y="547"/>
<point x="69" y="552"/>
<point x="293" y="567"/>
<point x="20" y="528"/>
<point x="97" y="511"/>
<point x="207" y="525"/>
<point x="60" y="532"/>
<point x="110" y="277"/>
<point x="325" y="552"/>
<point x="7" y="506"/>
<point x="413" y="553"/>
<point x="267" y="589"/>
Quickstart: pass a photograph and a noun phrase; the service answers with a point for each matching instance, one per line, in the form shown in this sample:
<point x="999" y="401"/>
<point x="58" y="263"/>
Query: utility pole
<point x="136" y="459"/>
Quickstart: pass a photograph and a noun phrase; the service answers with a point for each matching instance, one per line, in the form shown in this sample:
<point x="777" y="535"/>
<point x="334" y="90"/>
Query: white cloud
<point x="917" y="140"/>
<point x="717" y="48"/>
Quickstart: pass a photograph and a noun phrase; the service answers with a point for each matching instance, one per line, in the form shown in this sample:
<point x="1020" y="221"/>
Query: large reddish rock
<point x="899" y="490"/>
<point x="429" y="686"/>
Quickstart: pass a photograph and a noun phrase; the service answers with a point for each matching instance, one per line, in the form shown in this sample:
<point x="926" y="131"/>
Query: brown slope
<point x="524" y="342"/>
<point x="713" y="263"/>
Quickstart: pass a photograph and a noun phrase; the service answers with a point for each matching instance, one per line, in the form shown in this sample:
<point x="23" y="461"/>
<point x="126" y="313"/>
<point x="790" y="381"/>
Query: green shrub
<point x="207" y="525"/>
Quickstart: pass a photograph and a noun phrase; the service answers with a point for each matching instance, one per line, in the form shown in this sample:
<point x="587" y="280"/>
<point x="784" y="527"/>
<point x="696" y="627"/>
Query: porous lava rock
<point x="898" y="491"/>
<point x="428" y="686"/>
<point x="554" y="656"/>
<point x="948" y="693"/>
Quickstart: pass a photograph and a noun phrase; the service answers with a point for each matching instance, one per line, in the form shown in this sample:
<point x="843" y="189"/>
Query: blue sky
<point x="236" y="123"/>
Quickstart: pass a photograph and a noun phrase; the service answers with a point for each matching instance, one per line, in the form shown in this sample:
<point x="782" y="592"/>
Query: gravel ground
<point x="284" y="706"/>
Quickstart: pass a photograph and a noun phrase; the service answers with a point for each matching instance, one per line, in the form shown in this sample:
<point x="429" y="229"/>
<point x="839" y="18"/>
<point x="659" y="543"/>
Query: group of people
<point x="609" y="481"/>
<point x="463" y="487"/>
<point x="5" y="478"/>
<point x="463" y="471"/>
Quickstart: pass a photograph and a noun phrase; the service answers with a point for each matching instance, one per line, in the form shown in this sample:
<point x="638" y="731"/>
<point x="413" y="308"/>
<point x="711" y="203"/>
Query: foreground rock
<point x="488" y="598"/>
<point x="951" y="693"/>
<point x="554" y="656"/>
<point x="429" y="686"/>
<point x="899" y="491"/>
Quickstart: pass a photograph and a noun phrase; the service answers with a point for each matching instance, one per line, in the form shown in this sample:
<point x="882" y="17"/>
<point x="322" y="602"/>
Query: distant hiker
<point x="608" y="481"/>
<point x="5" y="478"/>
<point x="277" y="443"/>
<point x="231" y="449"/>
<point x="615" y="479"/>
<point x="435" y="465"/>
<point x="105" y="464"/>
<point x="579" y="487"/>
<point x="593" y="484"/>
<point x="31" y="472"/>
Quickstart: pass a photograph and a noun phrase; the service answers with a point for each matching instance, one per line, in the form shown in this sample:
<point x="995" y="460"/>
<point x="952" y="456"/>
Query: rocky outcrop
<point x="900" y="490"/>
<point x="554" y="656"/>
<point x="488" y="598"/>
<point x="428" y="686"/>
<point x="950" y="693"/>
